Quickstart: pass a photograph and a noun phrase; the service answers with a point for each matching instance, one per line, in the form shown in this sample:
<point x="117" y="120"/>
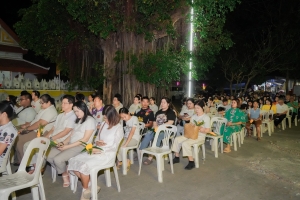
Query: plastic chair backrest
<point x="6" y="157"/>
<point x="142" y="127"/>
<point x="291" y="110"/>
<point x="168" y="131"/>
<point x="41" y="144"/>
<point x="264" y="114"/>
<point x="271" y="113"/>
<point x="219" y="122"/>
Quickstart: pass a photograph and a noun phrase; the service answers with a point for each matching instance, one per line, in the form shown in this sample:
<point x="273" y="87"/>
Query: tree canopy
<point x="132" y="46"/>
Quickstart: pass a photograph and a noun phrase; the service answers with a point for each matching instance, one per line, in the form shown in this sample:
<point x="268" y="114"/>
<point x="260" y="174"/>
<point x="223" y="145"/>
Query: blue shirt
<point x="254" y="114"/>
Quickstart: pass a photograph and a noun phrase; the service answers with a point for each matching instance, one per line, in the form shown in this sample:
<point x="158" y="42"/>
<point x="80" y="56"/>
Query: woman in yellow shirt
<point x="269" y="106"/>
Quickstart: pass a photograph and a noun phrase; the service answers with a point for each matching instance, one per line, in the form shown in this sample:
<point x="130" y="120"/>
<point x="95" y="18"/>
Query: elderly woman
<point x="235" y="118"/>
<point x="46" y="117"/>
<point x="108" y="139"/>
<point x="85" y="125"/>
<point x="187" y="143"/>
<point x="8" y="132"/>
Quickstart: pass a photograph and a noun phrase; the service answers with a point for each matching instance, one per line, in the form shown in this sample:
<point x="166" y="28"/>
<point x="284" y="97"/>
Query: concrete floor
<point x="269" y="169"/>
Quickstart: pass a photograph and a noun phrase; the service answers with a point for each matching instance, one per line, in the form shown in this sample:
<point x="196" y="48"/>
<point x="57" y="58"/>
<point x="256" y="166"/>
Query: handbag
<point x="191" y="131"/>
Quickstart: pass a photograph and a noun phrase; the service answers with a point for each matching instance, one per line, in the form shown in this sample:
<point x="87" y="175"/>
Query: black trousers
<point x="278" y="119"/>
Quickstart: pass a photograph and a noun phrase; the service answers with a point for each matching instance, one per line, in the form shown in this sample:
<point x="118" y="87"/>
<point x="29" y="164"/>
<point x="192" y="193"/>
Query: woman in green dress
<point x="235" y="118"/>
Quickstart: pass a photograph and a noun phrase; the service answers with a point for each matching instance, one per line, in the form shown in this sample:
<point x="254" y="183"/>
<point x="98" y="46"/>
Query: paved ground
<point x="269" y="169"/>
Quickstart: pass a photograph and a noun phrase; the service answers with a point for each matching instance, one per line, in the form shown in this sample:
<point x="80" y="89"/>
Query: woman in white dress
<point x="108" y="138"/>
<point x="186" y="143"/>
<point x="132" y="134"/>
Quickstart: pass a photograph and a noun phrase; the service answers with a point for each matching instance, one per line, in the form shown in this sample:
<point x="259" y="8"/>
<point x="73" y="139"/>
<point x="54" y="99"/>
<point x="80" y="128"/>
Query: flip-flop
<point x="147" y="162"/>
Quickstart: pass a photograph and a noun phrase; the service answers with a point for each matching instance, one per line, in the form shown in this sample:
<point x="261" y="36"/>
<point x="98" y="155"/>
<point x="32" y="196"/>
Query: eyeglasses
<point x="42" y="102"/>
<point x="21" y="99"/>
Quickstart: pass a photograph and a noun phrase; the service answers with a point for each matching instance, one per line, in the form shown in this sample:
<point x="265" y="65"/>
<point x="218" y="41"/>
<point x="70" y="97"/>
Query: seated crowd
<point x="114" y="127"/>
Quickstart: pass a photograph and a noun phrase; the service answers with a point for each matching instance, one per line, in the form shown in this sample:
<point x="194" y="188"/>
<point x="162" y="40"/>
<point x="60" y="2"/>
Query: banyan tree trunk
<point x="119" y="76"/>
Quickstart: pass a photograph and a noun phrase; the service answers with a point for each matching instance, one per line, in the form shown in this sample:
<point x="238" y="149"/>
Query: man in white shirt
<point x="281" y="109"/>
<point x="65" y="121"/>
<point x="25" y="113"/>
<point x="225" y="104"/>
<point x="36" y="101"/>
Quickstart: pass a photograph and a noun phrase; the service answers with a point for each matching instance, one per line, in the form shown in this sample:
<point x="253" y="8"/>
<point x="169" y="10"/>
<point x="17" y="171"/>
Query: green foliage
<point x="141" y="16"/>
<point x="45" y="29"/>
<point x="160" y="68"/>
<point x="97" y="78"/>
<point x="210" y="35"/>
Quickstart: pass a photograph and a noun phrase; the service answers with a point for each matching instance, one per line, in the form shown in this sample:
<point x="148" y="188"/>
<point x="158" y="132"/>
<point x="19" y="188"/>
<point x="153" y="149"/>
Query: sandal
<point x="119" y="164"/>
<point x="226" y="150"/>
<point x="147" y="161"/>
<point x="258" y="139"/>
<point x="66" y="180"/>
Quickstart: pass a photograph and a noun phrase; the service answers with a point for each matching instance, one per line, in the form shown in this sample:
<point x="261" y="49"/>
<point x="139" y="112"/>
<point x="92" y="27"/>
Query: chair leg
<point x="8" y="170"/>
<point x="215" y="143"/>
<point x="140" y="163"/>
<point x="53" y="173"/>
<point x="94" y="182"/>
<point x="196" y="156"/>
<point x="234" y="142"/>
<point x="159" y="168"/>
<point x="117" y="177"/>
<point x="163" y="162"/>
<point x="41" y="188"/>
<point x="35" y="192"/>
<point x="131" y="156"/>
<point x="73" y="182"/>
<point x="269" y="128"/>
<point x="238" y="139"/>
<point x="203" y="151"/>
<point x="171" y="162"/>
<point x="222" y="145"/>
<point x="290" y="122"/>
<point x="107" y="177"/>
<point x="124" y="158"/>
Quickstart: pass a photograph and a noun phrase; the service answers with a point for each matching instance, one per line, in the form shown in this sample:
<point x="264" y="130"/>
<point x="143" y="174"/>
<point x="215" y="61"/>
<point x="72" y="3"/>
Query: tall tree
<point x="143" y="41"/>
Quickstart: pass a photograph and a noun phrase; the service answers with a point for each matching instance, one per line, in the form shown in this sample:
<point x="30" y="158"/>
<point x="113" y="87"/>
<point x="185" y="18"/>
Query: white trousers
<point x="186" y="145"/>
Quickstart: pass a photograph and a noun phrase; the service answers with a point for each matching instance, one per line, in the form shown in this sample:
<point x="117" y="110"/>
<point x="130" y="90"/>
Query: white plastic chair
<point x="5" y="167"/>
<point x="241" y="135"/>
<point x="196" y="149"/>
<point x="130" y="149"/>
<point x="289" y="117"/>
<point x="272" y="120"/>
<point x="159" y="152"/>
<point x="234" y="140"/>
<point x="219" y="122"/>
<point x="266" y="121"/>
<point x="94" y="176"/>
<point x="53" y="170"/>
<point x="21" y="179"/>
